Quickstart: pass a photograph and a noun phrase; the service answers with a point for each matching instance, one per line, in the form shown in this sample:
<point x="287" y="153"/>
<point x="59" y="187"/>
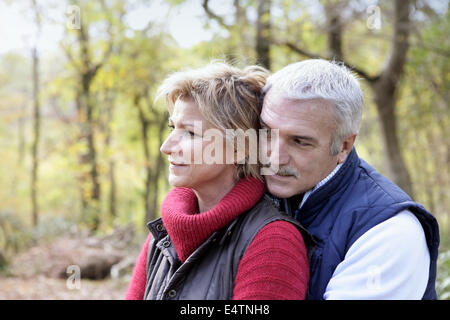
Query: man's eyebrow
<point x="305" y="138"/>
<point x="310" y="139"/>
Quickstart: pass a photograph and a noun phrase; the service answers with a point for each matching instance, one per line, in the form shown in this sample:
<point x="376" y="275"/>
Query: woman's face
<point x="190" y="166"/>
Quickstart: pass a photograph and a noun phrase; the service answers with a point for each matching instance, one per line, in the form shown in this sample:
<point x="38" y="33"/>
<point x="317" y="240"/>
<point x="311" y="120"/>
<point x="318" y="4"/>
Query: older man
<point x="372" y="240"/>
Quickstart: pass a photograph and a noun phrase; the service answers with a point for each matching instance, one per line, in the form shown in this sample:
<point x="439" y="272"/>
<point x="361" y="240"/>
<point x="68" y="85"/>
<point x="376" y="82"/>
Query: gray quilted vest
<point x="209" y="272"/>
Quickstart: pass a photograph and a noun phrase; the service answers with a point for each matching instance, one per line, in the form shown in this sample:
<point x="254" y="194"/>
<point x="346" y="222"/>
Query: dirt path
<point x="41" y="287"/>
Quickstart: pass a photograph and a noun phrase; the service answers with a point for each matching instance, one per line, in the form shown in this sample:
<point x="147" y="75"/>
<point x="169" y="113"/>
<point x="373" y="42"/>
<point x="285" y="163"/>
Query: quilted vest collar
<point x="313" y="205"/>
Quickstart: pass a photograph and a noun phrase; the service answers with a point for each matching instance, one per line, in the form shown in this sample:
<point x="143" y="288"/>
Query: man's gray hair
<point x="322" y="79"/>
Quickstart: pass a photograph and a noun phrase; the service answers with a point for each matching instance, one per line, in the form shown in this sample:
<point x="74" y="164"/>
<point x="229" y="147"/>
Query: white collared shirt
<point x="321" y="183"/>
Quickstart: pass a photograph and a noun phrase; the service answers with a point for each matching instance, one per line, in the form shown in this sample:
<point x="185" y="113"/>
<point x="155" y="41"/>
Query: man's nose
<point x="278" y="153"/>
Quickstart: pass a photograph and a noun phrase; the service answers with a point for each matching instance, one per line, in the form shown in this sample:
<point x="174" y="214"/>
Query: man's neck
<point x="295" y="201"/>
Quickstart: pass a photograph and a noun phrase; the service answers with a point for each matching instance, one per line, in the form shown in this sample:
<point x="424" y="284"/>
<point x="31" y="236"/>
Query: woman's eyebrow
<point x="262" y="123"/>
<point x="182" y="123"/>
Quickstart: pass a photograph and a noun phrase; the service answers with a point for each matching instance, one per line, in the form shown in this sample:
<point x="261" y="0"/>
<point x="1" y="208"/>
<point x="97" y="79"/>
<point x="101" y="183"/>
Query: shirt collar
<point x="320" y="184"/>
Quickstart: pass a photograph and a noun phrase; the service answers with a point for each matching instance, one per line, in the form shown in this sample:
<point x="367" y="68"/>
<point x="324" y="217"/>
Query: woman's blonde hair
<point x="228" y="97"/>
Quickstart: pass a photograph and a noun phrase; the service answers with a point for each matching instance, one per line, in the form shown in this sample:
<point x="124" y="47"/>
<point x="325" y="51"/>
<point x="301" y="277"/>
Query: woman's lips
<point x="177" y="163"/>
<point x="174" y="165"/>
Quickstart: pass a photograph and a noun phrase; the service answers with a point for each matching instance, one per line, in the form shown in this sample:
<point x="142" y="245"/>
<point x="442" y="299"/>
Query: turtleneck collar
<point x="188" y="228"/>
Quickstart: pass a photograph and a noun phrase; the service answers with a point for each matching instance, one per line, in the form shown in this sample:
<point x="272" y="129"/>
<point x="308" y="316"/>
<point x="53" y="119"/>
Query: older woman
<point x="218" y="236"/>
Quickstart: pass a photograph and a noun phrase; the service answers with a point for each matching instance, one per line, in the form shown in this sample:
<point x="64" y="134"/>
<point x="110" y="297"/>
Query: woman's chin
<point x="178" y="181"/>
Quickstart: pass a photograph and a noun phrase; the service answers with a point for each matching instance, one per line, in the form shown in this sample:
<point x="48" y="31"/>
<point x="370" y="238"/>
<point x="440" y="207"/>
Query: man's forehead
<point x="280" y="112"/>
<point x="279" y="102"/>
<point x="272" y="95"/>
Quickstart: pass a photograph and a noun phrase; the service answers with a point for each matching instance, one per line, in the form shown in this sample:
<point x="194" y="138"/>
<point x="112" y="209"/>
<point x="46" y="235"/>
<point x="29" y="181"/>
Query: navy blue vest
<point x="353" y="201"/>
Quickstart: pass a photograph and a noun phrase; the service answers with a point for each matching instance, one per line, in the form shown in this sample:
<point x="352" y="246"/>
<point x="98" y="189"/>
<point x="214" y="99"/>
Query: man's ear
<point x="346" y="148"/>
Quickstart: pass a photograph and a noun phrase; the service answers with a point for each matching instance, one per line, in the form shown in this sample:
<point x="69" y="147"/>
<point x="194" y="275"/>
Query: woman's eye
<point x="181" y="131"/>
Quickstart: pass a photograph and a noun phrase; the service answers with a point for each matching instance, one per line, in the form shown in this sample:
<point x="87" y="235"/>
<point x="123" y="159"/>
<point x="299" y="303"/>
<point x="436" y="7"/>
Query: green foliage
<point x="52" y="227"/>
<point x="14" y="235"/>
<point x="138" y="62"/>
<point x="443" y="276"/>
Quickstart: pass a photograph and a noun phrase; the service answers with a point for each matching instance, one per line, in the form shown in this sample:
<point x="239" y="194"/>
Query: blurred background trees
<point x="80" y="131"/>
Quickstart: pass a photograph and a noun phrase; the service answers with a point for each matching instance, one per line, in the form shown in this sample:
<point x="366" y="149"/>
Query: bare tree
<point x="109" y="101"/>
<point x="261" y="44"/>
<point x="263" y="34"/>
<point x="36" y="120"/>
<point x="87" y="69"/>
<point x="153" y="167"/>
<point x="384" y="84"/>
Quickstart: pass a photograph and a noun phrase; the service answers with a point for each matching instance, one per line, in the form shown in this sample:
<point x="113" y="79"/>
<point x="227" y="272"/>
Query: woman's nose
<point x="164" y="148"/>
<point x="171" y="144"/>
<point x="168" y="145"/>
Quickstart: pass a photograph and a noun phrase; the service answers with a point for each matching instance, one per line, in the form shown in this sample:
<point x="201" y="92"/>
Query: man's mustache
<point x="285" y="171"/>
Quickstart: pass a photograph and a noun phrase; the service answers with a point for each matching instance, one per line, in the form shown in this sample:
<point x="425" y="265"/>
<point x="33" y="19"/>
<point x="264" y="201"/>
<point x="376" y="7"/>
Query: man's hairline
<point x="266" y="90"/>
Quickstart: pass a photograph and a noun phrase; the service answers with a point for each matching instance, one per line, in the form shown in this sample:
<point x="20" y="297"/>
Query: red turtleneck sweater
<point x="275" y="265"/>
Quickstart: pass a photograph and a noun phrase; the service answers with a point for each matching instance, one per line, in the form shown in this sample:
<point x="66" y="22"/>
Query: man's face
<point x="306" y="129"/>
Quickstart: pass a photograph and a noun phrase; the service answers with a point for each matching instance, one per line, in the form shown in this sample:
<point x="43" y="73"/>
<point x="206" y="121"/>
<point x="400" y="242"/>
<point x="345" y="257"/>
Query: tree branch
<point x="400" y="43"/>
<point x="214" y="16"/>
<point x="312" y="55"/>
<point x="70" y="56"/>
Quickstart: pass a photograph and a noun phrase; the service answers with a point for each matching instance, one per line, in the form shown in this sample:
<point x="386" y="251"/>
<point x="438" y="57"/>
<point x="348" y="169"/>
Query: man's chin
<point x="279" y="191"/>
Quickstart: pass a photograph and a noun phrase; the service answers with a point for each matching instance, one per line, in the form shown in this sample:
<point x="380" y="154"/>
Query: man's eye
<point x="301" y="142"/>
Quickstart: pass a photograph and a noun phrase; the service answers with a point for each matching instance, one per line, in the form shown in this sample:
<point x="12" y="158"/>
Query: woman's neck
<point x="208" y="196"/>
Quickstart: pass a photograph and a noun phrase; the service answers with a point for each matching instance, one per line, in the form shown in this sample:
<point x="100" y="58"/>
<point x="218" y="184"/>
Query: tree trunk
<point x="81" y="160"/>
<point x="93" y="196"/>
<point x="158" y="171"/>
<point x="109" y="105"/>
<point x="36" y="120"/>
<point x="21" y="134"/>
<point x="113" y="190"/>
<point x="87" y="73"/>
<point x="385" y="101"/>
<point x="385" y="89"/>
<point x="334" y="28"/>
<point x="384" y="85"/>
<point x="263" y="34"/>
<point x="36" y="136"/>
<point x="145" y="123"/>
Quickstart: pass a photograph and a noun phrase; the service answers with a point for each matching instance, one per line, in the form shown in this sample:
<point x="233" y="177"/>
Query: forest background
<point x="80" y="131"/>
